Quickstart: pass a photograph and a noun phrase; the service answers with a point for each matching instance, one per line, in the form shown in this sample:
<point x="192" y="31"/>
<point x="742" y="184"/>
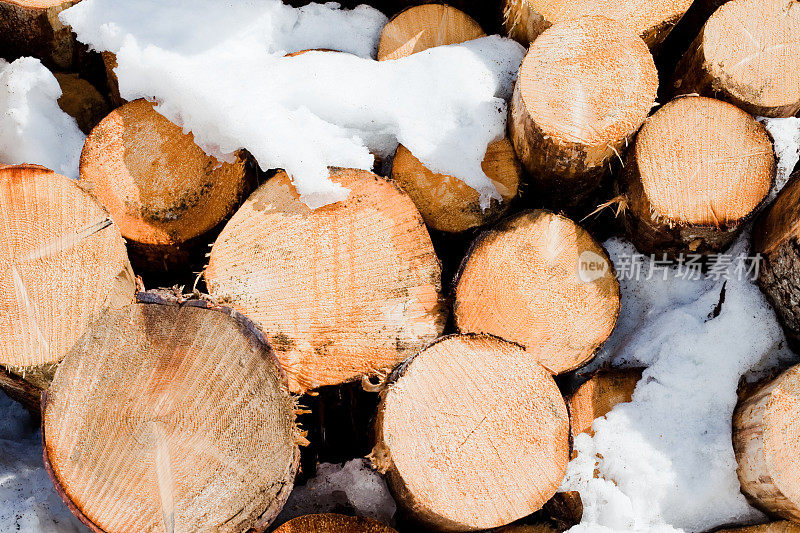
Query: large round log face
<point x="169" y="417"/>
<point x="474" y="434"/>
<point x="342" y="290"/>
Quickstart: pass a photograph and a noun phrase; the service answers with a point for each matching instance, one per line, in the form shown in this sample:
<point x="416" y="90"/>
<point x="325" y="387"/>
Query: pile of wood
<point x="179" y="410"/>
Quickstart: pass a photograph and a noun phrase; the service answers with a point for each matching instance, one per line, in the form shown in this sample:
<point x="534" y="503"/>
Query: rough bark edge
<point x="381" y="459"/>
<point x="693" y="76"/>
<point x="501" y="227"/>
<point x="655" y="234"/>
<point x="254" y="334"/>
<point x="21" y="391"/>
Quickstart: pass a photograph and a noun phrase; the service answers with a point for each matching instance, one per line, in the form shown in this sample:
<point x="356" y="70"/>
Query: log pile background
<point x="406" y="324"/>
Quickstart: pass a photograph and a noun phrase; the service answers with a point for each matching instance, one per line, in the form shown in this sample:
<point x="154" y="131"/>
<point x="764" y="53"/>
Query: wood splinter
<point x="571" y="113"/>
<point x="472" y="435"/>
<point x="446" y="203"/>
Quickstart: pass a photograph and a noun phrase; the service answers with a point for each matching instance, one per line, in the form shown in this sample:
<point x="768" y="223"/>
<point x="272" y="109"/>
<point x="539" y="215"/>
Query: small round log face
<point x="598" y="396"/>
<point x="333" y="523"/>
<point x="62" y="264"/>
<point x="584" y="88"/>
<point x="447" y="203"/>
<point x="698" y="169"/>
<point x="748" y="53"/>
<point x="474" y="434"/>
<point x="766" y="440"/>
<point x="342" y="290"/>
<point x="169" y="417"/>
<point x="652" y="20"/>
<point x="158" y="185"/>
<point x="543" y="282"/>
<point x="425" y="26"/>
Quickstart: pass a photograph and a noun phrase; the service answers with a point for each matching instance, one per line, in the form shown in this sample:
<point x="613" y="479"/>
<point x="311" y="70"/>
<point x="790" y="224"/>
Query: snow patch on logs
<point x="667" y="457"/>
<point x="33" y="129"/>
<point x="227" y="82"/>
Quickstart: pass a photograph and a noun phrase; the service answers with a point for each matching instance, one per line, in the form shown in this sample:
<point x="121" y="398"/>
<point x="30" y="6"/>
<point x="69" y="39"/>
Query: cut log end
<point x="63" y="263"/>
<point x="698" y="169"/>
<point x="474" y="434"/>
<point x="543" y="282"/>
<point x="343" y="290"/>
<point x="158" y="185"/>
<point x="598" y="396"/>
<point x="448" y="204"/>
<point x="584" y="88"/>
<point x="333" y="523"/>
<point x="748" y="53"/>
<point x="171" y="417"/>
<point x="652" y="20"/>
<point x="766" y="441"/>
<point x="426" y="26"/>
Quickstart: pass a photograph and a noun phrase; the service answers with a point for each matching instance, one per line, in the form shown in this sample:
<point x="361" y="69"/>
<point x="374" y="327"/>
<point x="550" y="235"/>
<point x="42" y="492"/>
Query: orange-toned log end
<point x="583" y="89"/>
<point x="652" y="20"/>
<point x="776" y="237"/>
<point x="541" y="281"/>
<point x="32" y="28"/>
<point x="748" y="53"/>
<point x="80" y="100"/>
<point x="448" y="204"/>
<point x="472" y="435"/>
<point x="698" y="169"/>
<point x="171" y="416"/>
<point x="772" y="527"/>
<point x="343" y="290"/>
<point x="598" y="396"/>
<point x="162" y="190"/>
<point x="426" y="26"/>
<point x="766" y="441"/>
<point x="333" y="523"/>
<point x="63" y="263"/>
